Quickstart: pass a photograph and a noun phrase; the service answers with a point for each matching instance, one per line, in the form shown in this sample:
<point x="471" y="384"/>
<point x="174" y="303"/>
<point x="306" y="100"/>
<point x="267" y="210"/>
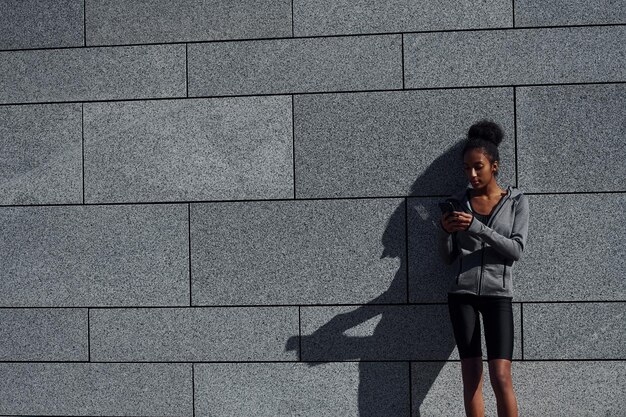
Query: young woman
<point x="485" y="234"/>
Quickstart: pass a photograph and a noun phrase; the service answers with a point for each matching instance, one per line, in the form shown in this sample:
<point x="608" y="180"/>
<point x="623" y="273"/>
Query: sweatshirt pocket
<point x="460" y="269"/>
<point x="504" y="276"/>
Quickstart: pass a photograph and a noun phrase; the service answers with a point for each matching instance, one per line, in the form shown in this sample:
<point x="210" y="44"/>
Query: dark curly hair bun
<point x="486" y="130"/>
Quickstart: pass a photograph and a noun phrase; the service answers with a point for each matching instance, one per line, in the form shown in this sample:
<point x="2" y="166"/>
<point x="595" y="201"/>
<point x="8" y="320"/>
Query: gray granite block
<point x="41" y="23"/>
<point x="393" y="143"/>
<point x="298" y="252"/>
<point x="544" y="388"/>
<point x="41" y="154"/>
<point x="571" y="138"/>
<point x="569" y="12"/>
<point x="415" y="332"/>
<point x="39" y="334"/>
<point x="520" y="56"/>
<point x="94" y="256"/>
<point x="80" y="74"/>
<point x="429" y="276"/>
<point x="350" y="389"/>
<point x="193" y="334"/>
<point x="96" y="389"/>
<point x="200" y="149"/>
<point x="574" y="331"/>
<point x="125" y="22"/>
<point x="330" y="17"/>
<point x="575" y="249"/>
<point x="295" y="65"/>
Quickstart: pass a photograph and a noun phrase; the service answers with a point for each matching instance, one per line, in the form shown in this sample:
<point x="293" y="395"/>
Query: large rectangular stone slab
<point x="429" y="277"/>
<point x="41" y="154"/>
<point x="542" y="388"/>
<point x="202" y="149"/>
<point x="127" y="255"/>
<point x="82" y="74"/>
<point x="409" y="332"/>
<point x="574" y="331"/>
<point x="96" y="389"/>
<point x="514" y="57"/>
<point x="569" y="12"/>
<point x="393" y="143"/>
<point x="42" y="334"/>
<point x="41" y="23"/>
<point x="571" y="138"/>
<point x="193" y="334"/>
<point x="126" y="22"/>
<point x="351" y="389"/>
<point x="298" y="252"/>
<point x="333" y="17"/>
<point x="575" y="249"/>
<point x="295" y="65"/>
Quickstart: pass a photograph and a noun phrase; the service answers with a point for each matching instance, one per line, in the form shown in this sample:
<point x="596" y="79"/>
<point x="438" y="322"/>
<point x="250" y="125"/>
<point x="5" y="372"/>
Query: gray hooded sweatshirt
<point x="485" y="253"/>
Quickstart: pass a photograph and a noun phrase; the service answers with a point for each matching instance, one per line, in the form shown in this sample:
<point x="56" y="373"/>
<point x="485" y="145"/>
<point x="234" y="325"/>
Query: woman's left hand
<point x="460" y="220"/>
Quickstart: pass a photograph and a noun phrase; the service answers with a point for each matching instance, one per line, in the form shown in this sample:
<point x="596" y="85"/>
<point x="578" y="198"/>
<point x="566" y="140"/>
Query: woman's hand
<point x="456" y="221"/>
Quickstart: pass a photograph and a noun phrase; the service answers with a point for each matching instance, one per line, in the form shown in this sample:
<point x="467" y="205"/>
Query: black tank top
<point x="484" y="218"/>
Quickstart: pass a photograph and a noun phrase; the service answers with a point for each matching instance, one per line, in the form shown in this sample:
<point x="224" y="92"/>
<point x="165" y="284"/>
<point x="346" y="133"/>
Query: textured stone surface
<point x="40" y="154"/>
<point x="363" y="389"/>
<point x="429" y="276"/>
<point x="330" y="17"/>
<point x="96" y="389"/>
<point x="123" y="22"/>
<point x="571" y="138"/>
<point x="193" y="334"/>
<point x="305" y="206"/>
<point x="562" y="388"/>
<point x="41" y="23"/>
<point x="295" y="65"/>
<point x="81" y="74"/>
<point x="575" y="249"/>
<point x="569" y="12"/>
<point x="522" y="56"/>
<point x="94" y="255"/>
<point x="284" y="252"/>
<point x="417" y="332"/>
<point x="393" y="143"/>
<point x="201" y="149"/>
<point x="574" y="331"/>
<point x="40" y="334"/>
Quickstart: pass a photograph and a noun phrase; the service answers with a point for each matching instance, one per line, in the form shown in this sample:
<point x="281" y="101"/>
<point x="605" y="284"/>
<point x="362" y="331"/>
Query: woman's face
<point x="478" y="169"/>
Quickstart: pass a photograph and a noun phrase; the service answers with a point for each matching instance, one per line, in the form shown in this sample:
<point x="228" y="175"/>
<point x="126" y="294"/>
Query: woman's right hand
<point x="449" y="222"/>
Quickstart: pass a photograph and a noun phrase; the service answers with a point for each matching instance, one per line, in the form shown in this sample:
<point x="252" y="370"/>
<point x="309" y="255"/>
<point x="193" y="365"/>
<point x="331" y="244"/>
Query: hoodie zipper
<point x="482" y="246"/>
<point x="482" y="265"/>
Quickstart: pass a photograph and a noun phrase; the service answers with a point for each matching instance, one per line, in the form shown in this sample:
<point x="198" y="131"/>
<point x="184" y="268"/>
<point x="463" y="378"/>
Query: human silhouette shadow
<point x="405" y="331"/>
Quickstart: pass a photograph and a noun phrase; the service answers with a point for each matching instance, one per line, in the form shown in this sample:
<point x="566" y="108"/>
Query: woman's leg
<point x="472" y="370"/>
<point x="466" y="327"/>
<point x="498" y="322"/>
<point x="502" y="383"/>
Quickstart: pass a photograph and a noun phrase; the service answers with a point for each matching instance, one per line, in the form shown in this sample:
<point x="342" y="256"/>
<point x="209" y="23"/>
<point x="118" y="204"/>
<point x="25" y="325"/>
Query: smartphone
<point x="446" y="207"/>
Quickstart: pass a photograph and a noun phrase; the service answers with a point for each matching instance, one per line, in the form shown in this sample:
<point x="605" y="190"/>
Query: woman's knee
<point x="500" y="374"/>
<point x="472" y="369"/>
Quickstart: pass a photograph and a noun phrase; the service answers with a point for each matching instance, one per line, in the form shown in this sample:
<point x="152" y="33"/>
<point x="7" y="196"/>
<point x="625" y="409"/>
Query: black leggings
<point x="497" y="313"/>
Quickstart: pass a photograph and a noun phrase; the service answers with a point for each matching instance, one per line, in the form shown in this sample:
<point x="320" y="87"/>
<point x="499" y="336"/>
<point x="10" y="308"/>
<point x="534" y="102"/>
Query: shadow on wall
<point x="424" y="335"/>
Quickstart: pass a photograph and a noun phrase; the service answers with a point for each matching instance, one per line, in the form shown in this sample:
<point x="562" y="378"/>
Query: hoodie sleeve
<point x="509" y="247"/>
<point x="445" y="245"/>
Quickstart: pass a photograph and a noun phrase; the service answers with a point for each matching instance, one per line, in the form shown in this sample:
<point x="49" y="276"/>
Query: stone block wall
<point x="220" y="208"/>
